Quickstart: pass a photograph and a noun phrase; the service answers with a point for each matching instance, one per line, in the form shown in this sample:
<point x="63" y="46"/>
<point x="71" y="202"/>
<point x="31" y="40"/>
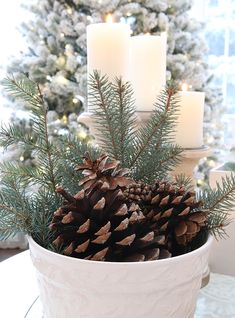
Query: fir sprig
<point x="113" y="107"/>
<point x="28" y="197"/>
<point x="15" y="213"/>
<point x="17" y="179"/>
<point x="219" y="202"/>
<point x="30" y="92"/>
<point x="112" y="104"/>
<point x="159" y="129"/>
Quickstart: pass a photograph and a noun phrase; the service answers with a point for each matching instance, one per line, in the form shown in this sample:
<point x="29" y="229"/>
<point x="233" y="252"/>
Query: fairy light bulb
<point x="82" y="135"/>
<point x="75" y="100"/>
<point x="69" y="10"/>
<point x="64" y="119"/>
<point x="109" y="18"/>
<point x="61" y="79"/>
<point x="184" y="87"/>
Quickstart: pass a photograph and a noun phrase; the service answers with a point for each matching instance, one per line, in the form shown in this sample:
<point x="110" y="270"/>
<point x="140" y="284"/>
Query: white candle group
<point x="142" y="61"/>
<point x="189" y="127"/>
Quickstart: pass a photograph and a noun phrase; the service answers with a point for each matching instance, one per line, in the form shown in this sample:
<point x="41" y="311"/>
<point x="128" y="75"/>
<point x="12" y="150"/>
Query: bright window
<point x="220" y="36"/>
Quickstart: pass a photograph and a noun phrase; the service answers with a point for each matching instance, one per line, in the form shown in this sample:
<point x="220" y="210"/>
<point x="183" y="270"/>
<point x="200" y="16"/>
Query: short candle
<point x="189" y="127"/>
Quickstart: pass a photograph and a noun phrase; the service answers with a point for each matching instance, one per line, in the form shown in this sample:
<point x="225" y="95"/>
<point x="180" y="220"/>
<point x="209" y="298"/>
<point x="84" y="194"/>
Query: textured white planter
<point x="74" y="288"/>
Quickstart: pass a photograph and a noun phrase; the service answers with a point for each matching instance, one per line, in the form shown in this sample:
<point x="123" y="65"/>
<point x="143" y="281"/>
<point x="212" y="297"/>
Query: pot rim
<point x="99" y="263"/>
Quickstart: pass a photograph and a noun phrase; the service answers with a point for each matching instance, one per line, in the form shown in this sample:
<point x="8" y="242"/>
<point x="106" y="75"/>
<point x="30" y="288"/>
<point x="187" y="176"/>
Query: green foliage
<point x="28" y="198"/>
<point x="27" y="193"/>
<point x="183" y="180"/>
<point x="14" y="206"/>
<point x="145" y="150"/>
<point x="113" y="107"/>
<point x="219" y="203"/>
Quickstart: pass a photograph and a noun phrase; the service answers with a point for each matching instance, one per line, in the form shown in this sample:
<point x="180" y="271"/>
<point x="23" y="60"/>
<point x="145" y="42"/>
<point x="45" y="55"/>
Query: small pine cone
<point x="104" y="169"/>
<point x="172" y="212"/>
<point x="139" y="192"/>
<point x="189" y="227"/>
<point x="101" y="225"/>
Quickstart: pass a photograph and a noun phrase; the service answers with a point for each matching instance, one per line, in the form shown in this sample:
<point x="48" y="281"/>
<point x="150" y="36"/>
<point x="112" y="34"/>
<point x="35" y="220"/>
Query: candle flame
<point x="109" y="18"/>
<point x="184" y="87"/>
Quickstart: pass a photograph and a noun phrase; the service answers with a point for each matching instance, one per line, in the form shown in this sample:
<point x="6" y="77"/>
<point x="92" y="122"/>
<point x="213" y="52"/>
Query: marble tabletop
<point x="19" y="292"/>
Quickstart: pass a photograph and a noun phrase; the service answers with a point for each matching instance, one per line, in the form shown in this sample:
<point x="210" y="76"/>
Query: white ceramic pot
<point x="75" y="288"/>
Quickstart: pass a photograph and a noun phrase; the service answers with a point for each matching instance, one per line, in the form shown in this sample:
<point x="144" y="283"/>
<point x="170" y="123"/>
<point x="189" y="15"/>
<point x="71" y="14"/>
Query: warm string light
<point x="75" y="100"/>
<point x="69" y="10"/>
<point x="64" y="119"/>
<point x="82" y="135"/>
<point x="61" y="79"/>
<point x="61" y="61"/>
<point x="109" y="18"/>
<point x="184" y="87"/>
<point x="89" y="18"/>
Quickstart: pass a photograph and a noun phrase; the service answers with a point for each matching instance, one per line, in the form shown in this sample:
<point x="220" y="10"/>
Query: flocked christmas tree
<point x="56" y="56"/>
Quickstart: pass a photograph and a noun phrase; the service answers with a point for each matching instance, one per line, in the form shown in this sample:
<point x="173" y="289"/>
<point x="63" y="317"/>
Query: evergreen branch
<point x="30" y="92"/>
<point x="100" y="96"/>
<point x="23" y="88"/>
<point x="184" y="181"/>
<point x="69" y="157"/>
<point x="219" y="203"/>
<point x="43" y="205"/>
<point x="124" y="119"/>
<point x="48" y="146"/>
<point x="12" y="134"/>
<point x="159" y="164"/>
<point x="159" y="128"/>
<point x="14" y="208"/>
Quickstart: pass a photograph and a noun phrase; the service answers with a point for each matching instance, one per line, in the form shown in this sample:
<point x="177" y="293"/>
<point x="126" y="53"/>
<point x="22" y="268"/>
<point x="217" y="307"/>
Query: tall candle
<point x="108" y="49"/>
<point x="189" y="127"/>
<point x="147" y="69"/>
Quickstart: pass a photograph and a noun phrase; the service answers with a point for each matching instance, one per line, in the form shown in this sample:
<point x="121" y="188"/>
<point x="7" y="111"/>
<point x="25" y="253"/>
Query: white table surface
<point x="18" y="290"/>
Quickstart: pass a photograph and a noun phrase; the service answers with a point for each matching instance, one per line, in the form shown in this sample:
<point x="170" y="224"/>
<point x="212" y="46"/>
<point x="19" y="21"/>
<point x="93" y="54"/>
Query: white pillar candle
<point x="147" y="69"/>
<point x="108" y="49"/>
<point x="189" y="127"/>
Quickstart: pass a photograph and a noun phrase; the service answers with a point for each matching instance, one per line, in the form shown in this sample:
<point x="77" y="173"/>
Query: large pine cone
<point x="175" y="212"/>
<point x="103" y="169"/>
<point x="101" y="225"/>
